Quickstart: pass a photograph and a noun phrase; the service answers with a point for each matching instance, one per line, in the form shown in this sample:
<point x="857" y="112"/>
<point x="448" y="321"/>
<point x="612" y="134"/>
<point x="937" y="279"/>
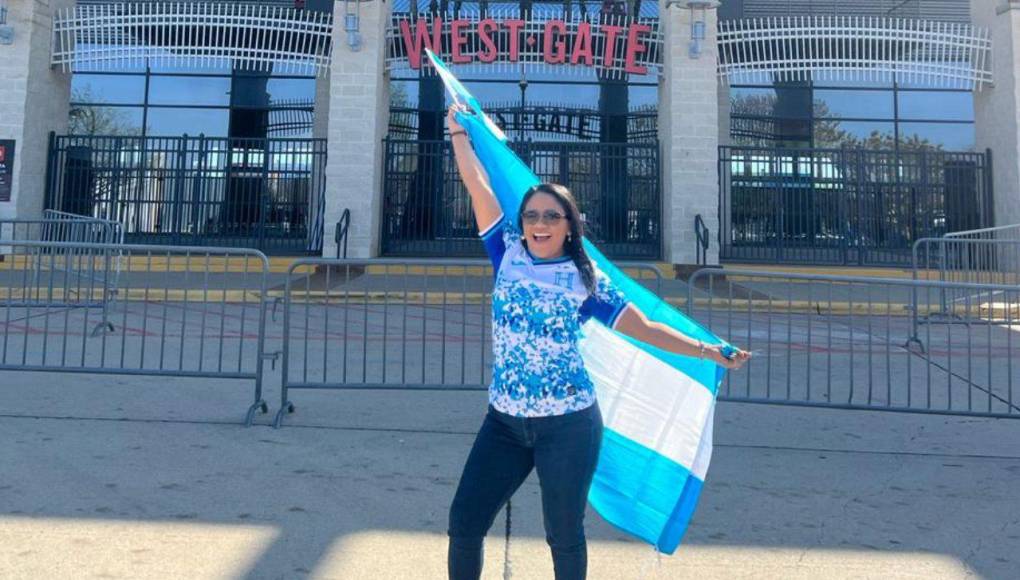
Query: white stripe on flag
<point x="648" y="401"/>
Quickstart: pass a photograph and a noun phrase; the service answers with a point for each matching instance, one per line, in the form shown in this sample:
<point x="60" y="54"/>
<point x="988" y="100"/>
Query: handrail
<point x="702" y="234"/>
<point x="341" y="232"/>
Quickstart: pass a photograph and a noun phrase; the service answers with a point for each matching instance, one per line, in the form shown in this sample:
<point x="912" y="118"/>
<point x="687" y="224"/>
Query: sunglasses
<point x="548" y="217"/>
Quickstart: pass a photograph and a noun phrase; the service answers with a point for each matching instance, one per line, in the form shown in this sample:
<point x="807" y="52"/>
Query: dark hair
<point x="572" y="246"/>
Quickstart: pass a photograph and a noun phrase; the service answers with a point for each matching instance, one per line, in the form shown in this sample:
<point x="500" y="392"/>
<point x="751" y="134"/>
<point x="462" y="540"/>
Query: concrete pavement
<point x="126" y="477"/>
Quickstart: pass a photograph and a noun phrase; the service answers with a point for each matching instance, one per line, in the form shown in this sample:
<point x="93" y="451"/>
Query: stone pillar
<point x="997" y="109"/>
<point x="725" y="108"/>
<point x="358" y="118"/>
<point x="320" y="122"/>
<point x="689" y="136"/>
<point x="34" y="100"/>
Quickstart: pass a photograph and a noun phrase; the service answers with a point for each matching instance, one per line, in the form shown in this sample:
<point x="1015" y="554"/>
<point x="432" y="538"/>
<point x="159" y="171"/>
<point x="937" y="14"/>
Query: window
<point x="936" y="105"/>
<point x="855" y="134"/>
<point x="850" y="104"/>
<point x="948" y="136"/>
<point x="169" y="121"/>
<point x="105" y="120"/>
<point x="189" y="90"/>
<point x="180" y="102"/>
<point x="566" y="110"/>
<point x="108" y="89"/>
<point x="872" y="115"/>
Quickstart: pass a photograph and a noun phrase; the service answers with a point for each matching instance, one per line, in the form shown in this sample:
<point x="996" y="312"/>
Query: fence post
<point x="178" y="202"/>
<point x="51" y="154"/>
<point x="264" y="196"/>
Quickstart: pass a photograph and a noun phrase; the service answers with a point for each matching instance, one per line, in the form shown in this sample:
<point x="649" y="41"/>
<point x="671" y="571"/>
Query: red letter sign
<point x="485" y="28"/>
<point x="554" y="47"/>
<point x="582" y="45"/>
<point x="634" y="46"/>
<point x="421" y="34"/>
<point x="458" y="40"/>
<point x="612" y="31"/>
<point x="514" y="26"/>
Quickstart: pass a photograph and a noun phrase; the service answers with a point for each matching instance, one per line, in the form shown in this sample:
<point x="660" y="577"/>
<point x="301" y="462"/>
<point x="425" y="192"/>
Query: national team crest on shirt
<point x="565" y="279"/>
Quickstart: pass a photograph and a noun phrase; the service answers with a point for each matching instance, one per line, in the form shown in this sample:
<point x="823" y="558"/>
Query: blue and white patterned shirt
<point x="538" y="307"/>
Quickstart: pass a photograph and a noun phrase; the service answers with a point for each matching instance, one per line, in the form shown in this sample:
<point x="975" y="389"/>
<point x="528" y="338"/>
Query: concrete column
<point x="358" y="118"/>
<point x="725" y="107"/>
<point x="689" y="136"/>
<point x="34" y="100"/>
<point x="320" y="123"/>
<point x="997" y="109"/>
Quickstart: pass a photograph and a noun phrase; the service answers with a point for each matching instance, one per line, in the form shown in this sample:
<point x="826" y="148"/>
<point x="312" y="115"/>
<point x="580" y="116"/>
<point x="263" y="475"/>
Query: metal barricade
<point x="61" y="228"/>
<point x="968" y="260"/>
<point x="179" y="311"/>
<point x="67" y="267"/>
<point x="848" y="342"/>
<point x="378" y="324"/>
<point x="1007" y="232"/>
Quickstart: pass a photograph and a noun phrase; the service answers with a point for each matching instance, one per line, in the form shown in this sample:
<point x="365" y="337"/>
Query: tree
<point x="97" y="119"/>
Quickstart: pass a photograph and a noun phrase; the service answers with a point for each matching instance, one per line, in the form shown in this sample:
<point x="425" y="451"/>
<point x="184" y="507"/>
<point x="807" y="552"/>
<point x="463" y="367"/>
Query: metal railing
<point x="267" y="194"/>
<point x="845" y="342"/>
<point x="846" y="206"/>
<point x="118" y="35"/>
<point x="1009" y="232"/>
<point x="427" y="212"/>
<point x="968" y="260"/>
<point x="855" y="48"/>
<point x="340" y="234"/>
<point x="112" y="231"/>
<point x="68" y="266"/>
<point x="178" y="311"/>
<point x="60" y="230"/>
<point x="378" y="324"/>
<point x="701" y="235"/>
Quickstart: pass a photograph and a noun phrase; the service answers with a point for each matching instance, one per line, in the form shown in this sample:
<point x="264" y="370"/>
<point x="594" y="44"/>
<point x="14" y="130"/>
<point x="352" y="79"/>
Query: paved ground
<point x="142" y="477"/>
<point x="128" y="477"/>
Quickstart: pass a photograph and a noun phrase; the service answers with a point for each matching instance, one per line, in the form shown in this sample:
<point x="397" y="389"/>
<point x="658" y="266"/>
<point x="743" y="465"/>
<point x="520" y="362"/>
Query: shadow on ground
<point x="144" y="478"/>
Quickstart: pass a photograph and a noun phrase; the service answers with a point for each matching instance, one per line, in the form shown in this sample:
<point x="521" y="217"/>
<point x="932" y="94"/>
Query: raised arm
<point x="483" y="201"/>
<point x="635" y="324"/>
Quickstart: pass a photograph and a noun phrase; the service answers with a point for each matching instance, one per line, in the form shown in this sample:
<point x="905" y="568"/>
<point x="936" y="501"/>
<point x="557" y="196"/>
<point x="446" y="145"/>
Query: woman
<point x="542" y="409"/>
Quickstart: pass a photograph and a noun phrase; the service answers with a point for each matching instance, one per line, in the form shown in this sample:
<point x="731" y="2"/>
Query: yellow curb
<point x="486" y="271"/>
<point x="858" y="271"/>
<point x="994" y="310"/>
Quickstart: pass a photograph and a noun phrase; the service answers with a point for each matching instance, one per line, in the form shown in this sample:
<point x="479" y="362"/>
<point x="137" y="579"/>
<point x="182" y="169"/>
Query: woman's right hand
<point x="451" y="118"/>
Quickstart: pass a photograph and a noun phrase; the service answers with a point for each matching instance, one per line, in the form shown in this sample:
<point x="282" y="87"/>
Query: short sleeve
<point x="493" y="238"/>
<point x="606" y="304"/>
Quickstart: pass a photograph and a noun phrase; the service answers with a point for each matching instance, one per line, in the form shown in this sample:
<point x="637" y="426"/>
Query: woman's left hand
<point x="736" y="360"/>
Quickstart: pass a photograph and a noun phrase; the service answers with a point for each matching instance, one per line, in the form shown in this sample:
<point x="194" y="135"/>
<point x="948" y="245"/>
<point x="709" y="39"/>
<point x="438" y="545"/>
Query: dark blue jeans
<point x="563" y="449"/>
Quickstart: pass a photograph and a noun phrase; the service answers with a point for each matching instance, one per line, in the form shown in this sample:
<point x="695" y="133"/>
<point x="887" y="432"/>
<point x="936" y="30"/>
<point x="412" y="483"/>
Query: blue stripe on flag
<point x="638" y="486"/>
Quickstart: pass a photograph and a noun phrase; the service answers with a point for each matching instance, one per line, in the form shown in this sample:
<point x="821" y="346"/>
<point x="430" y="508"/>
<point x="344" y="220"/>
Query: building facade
<point x="812" y="131"/>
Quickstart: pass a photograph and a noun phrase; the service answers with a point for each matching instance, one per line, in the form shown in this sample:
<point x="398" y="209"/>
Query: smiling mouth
<point x="541" y="237"/>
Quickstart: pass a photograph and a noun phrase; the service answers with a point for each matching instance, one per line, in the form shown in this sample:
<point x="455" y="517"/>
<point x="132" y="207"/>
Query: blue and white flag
<point x="657" y="406"/>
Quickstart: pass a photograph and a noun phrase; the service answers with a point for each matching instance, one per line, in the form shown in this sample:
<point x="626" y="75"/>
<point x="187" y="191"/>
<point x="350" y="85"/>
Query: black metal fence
<point x="267" y="194"/>
<point x="427" y="212"/>
<point x="846" y="206"/>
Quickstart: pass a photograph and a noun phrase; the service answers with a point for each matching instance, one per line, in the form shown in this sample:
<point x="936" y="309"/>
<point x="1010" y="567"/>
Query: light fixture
<point x="352" y="24"/>
<point x="699" y="10"/>
<point x="6" y="30"/>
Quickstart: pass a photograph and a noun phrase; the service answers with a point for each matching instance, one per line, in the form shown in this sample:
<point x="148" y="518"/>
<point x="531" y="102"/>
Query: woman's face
<point x="545" y="226"/>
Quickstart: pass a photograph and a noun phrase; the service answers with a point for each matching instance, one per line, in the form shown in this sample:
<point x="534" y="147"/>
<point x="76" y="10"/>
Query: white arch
<point x="192" y="34"/>
<point x="946" y="54"/>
